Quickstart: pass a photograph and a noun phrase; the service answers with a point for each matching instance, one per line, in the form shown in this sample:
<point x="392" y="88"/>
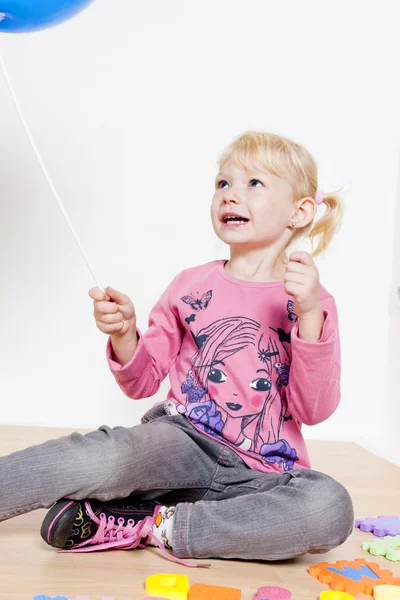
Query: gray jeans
<point x="223" y="508"/>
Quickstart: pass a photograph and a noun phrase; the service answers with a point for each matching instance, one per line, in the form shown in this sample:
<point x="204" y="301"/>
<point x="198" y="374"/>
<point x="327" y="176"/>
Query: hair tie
<point x="319" y="196"/>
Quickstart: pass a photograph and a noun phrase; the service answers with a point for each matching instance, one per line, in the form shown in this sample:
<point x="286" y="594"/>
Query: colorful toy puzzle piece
<point x="380" y="526"/>
<point x="333" y="595"/>
<point x="272" y="593"/>
<point x="168" y="585"/>
<point x="200" y="591"/>
<point x="389" y="547"/>
<point x="44" y="597"/>
<point x="387" y="592"/>
<point x="354" y="577"/>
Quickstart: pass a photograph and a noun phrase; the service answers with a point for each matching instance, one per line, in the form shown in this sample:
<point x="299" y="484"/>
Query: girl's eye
<point x="217" y="376"/>
<point x="255" y="181"/>
<point x="261" y="385"/>
<point x="220" y="184"/>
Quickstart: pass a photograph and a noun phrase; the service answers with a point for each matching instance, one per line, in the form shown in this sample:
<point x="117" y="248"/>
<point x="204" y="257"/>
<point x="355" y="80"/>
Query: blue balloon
<point x="21" y="16"/>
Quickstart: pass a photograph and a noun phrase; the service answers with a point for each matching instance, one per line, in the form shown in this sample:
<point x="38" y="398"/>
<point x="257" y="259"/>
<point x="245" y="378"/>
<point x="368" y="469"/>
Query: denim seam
<point x="186" y="530"/>
<point x="217" y="468"/>
<point x="175" y="485"/>
<point x="182" y="539"/>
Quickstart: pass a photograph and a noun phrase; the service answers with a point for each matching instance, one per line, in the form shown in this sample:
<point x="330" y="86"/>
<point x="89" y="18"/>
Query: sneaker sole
<point x="58" y="523"/>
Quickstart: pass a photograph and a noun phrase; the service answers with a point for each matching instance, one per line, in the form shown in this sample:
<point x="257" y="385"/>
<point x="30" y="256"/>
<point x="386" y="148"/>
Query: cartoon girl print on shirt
<point x="267" y="438"/>
<point x="235" y="399"/>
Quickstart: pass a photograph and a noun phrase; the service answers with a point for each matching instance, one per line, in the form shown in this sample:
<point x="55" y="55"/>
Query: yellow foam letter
<point x="387" y="592"/>
<point x="331" y="595"/>
<point x="165" y="585"/>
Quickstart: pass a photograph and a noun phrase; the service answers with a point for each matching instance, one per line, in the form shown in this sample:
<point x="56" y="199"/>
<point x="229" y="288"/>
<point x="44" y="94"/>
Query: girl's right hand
<point x="113" y="311"/>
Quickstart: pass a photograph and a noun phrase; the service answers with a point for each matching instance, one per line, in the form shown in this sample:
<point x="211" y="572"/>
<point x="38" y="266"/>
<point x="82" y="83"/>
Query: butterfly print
<point x="199" y="339"/>
<point x="283" y="373"/>
<point x="190" y="319"/>
<point x="283" y="336"/>
<point x="293" y="318"/>
<point x="194" y="392"/>
<point x="198" y="303"/>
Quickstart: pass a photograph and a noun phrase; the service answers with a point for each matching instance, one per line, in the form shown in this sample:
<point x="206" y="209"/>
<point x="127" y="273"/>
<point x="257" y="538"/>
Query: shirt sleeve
<point x="156" y="351"/>
<point x="313" y="393"/>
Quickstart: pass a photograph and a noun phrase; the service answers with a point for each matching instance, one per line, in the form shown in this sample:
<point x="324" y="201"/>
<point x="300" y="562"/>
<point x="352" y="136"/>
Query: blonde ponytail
<point x="323" y="229"/>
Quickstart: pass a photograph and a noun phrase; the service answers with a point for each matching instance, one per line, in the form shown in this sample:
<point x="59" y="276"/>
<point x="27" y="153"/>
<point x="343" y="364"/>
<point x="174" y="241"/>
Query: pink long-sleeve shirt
<point x="238" y="370"/>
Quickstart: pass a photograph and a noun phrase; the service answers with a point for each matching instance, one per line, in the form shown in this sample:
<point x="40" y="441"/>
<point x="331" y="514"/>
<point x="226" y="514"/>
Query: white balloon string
<point x="43" y="166"/>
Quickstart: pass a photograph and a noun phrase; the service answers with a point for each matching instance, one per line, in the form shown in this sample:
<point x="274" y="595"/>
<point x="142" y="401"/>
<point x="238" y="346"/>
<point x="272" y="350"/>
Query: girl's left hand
<point x="302" y="282"/>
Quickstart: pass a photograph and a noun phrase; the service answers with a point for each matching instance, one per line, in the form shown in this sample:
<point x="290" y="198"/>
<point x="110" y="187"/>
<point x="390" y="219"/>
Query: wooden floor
<point x="29" y="567"/>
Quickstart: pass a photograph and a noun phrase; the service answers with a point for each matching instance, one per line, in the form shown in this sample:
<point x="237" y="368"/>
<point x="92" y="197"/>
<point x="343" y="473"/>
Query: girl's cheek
<point x="256" y="400"/>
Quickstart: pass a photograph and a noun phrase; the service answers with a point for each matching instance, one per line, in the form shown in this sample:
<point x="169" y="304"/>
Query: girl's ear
<point x="305" y="211"/>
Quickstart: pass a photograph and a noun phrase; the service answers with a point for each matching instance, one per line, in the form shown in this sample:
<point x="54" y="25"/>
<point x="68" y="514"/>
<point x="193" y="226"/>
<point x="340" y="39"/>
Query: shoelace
<point x="123" y="536"/>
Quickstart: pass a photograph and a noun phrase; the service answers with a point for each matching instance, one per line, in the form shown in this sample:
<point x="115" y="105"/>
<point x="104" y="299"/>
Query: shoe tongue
<point x="127" y="508"/>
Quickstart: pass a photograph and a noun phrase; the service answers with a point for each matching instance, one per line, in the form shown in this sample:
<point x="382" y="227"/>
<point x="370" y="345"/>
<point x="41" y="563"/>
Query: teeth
<point x="235" y="220"/>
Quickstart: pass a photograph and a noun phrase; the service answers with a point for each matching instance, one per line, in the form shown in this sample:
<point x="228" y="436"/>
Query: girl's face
<point x="242" y="396"/>
<point x="250" y="207"/>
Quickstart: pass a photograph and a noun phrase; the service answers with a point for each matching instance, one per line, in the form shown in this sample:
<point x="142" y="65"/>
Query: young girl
<point x="251" y="346"/>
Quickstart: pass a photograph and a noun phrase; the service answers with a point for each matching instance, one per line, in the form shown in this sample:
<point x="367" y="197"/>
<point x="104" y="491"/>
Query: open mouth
<point x="233" y="406"/>
<point x="232" y="219"/>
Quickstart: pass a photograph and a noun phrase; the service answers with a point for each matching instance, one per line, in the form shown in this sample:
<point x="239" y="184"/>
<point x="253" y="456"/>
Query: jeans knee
<point x="99" y="467"/>
<point x="333" y="521"/>
<point x="345" y="515"/>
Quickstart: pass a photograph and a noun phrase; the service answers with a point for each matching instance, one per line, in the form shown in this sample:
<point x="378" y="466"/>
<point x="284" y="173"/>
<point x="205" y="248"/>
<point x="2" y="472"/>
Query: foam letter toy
<point x="380" y="526"/>
<point x="356" y="577"/>
<point x="335" y="596"/>
<point x="44" y="597"/>
<point x="387" y="592"/>
<point x="200" y="591"/>
<point x="386" y="546"/>
<point x="170" y="586"/>
<point x="272" y="593"/>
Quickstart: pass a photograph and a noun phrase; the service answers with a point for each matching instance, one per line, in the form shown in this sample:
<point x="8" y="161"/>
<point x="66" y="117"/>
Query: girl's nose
<point x="231" y="196"/>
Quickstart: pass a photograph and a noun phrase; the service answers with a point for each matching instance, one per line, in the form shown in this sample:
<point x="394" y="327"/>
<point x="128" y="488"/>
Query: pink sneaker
<point x="92" y="525"/>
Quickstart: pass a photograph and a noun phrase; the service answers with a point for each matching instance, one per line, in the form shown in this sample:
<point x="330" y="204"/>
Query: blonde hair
<point x="288" y="160"/>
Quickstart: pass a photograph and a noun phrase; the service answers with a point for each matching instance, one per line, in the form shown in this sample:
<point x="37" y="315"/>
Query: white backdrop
<point x="130" y="104"/>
